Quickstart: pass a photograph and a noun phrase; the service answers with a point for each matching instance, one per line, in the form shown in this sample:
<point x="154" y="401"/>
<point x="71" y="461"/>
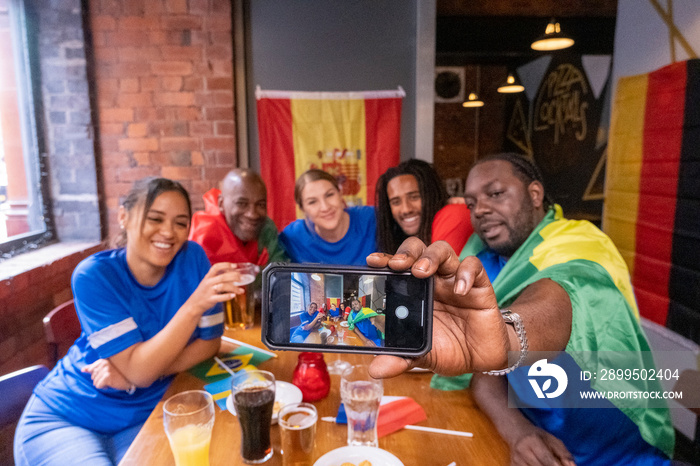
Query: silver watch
<point x="511" y="317"/>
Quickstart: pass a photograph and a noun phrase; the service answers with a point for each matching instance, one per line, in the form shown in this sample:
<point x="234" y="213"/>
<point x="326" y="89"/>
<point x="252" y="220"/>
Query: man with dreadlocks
<point x="411" y="201"/>
<point x="566" y="306"/>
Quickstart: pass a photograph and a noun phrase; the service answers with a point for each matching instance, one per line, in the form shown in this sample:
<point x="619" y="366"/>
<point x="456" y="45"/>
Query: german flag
<point x="652" y="201"/>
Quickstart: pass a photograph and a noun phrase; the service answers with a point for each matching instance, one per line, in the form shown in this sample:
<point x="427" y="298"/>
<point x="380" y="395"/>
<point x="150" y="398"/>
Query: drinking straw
<point x="240" y="343"/>
<point x="223" y="365"/>
<point x="439" y="431"/>
<point x="421" y="428"/>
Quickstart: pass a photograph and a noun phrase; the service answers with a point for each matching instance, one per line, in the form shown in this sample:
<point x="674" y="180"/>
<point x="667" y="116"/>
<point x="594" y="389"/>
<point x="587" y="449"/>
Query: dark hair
<point x="146" y="191"/>
<point x="524" y="168"/>
<point x="309" y="176"/>
<point x="433" y="198"/>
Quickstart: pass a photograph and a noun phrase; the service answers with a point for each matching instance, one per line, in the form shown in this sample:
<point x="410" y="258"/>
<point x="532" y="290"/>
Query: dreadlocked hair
<point x="145" y="191"/>
<point x="524" y="168"/>
<point x="433" y="198"/>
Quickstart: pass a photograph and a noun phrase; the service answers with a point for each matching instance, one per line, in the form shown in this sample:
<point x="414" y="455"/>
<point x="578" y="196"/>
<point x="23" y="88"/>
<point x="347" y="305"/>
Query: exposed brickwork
<point x="164" y="81"/>
<point x="68" y="136"/>
<point x="24" y="301"/>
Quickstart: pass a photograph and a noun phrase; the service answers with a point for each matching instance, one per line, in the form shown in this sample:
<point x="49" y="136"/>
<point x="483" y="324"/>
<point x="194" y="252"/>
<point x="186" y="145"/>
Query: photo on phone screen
<point x="356" y="309"/>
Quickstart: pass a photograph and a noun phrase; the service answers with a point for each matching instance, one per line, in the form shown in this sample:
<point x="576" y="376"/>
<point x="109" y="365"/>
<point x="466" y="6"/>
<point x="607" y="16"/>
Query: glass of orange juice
<point x="188" y="418"/>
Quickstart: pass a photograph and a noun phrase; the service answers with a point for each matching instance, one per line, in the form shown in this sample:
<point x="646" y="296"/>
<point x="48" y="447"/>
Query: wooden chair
<point x="62" y="328"/>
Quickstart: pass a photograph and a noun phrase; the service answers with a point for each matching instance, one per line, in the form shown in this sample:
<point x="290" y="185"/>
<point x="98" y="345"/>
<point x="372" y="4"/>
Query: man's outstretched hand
<point x="468" y="331"/>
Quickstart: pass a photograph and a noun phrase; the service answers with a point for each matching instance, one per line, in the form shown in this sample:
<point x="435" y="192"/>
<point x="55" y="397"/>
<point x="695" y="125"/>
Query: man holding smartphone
<point x="530" y="280"/>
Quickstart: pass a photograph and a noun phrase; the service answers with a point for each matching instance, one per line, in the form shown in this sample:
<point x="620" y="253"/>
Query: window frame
<point x="26" y="54"/>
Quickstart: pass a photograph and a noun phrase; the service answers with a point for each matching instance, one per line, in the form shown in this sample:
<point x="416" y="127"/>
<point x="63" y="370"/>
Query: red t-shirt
<point x="452" y="224"/>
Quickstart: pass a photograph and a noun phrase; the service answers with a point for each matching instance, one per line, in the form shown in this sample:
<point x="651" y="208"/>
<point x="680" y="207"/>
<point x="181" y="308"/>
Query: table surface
<point x="454" y="410"/>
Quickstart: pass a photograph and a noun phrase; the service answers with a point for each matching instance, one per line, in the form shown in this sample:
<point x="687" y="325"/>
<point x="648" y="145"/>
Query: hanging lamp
<point x="473" y="99"/>
<point x="553" y="38"/>
<point x="511" y="86"/>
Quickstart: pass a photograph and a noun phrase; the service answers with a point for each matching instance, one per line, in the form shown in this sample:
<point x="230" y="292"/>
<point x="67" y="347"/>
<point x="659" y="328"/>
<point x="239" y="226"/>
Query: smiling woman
<point x="331" y="233"/>
<point x="148" y="310"/>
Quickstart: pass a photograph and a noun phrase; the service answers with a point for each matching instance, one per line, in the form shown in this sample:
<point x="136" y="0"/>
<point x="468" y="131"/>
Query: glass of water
<point x="361" y="395"/>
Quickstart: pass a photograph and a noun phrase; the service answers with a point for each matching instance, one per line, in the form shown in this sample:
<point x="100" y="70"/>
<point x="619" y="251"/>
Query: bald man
<point x="234" y="226"/>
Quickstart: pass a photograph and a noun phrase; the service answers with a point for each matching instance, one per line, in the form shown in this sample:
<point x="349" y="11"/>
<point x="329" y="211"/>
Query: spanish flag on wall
<point x="652" y="194"/>
<point x="354" y="136"/>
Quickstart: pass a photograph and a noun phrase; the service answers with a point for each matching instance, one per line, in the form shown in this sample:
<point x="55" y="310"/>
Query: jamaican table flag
<point x="652" y="194"/>
<point x="354" y="136"/>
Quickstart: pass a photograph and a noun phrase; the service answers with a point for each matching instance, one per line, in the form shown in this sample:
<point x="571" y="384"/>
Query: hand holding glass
<point x="188" y="418"/>
<point x="239" y="312"/>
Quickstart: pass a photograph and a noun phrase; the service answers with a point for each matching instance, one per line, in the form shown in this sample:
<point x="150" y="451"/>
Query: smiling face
<point x="504" y="209"/>
<point x="323" y="205"/>
<point x="405" y="202"/>
<point x="312" y="308"/>
<point x="356" y="306"/>
<point x="154" y="239"/>
<point x="243" y="202"/>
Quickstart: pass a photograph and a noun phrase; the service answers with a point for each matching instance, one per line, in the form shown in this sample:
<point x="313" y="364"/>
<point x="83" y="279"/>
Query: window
<point x="24" y="213"/>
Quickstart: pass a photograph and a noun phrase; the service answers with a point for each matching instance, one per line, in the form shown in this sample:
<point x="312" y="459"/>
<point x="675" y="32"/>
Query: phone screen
<point x="346" y="310"/>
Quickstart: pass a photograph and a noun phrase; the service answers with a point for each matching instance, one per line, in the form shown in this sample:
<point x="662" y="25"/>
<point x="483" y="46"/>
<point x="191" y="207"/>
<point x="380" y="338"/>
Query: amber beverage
<point x="298" y="429"/>
<point x="239" y="312"/>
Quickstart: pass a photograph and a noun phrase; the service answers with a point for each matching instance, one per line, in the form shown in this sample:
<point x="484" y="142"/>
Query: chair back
<point x="16" y="388"/>
<point x="62" y="328"/>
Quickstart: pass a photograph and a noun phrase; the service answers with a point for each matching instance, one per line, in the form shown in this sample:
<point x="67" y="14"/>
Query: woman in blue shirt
<point x="147" y="310"/>
<point x="331" y="233"/>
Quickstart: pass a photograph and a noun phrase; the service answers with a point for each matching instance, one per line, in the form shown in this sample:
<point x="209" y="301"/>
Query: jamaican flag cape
<point x="605" y="332"/>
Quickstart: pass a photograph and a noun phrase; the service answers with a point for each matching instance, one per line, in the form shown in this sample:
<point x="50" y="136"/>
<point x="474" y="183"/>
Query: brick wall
<point x="163" y="95"/>
<point x="24" y="301"/>
<point x="164" y="87"/>
<point x="67" y="137"/>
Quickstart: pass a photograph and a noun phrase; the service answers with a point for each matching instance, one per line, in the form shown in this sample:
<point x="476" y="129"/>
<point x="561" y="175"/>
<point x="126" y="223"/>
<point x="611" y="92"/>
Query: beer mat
<point x="395" y="412"/>
<point x="210" y="371"/>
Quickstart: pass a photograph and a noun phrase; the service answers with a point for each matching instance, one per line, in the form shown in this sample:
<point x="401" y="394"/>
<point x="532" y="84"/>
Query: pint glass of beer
<point x="239" y="312"/>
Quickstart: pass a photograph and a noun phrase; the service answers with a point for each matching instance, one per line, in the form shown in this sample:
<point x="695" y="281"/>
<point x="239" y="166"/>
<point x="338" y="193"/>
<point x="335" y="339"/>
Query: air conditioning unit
<point x="449" y="84"/>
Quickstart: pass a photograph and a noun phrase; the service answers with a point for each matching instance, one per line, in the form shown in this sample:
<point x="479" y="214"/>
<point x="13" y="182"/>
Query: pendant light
<point x="511" y="86"/>
<point x="553" y="38"/>
<point x="473" y="99"/>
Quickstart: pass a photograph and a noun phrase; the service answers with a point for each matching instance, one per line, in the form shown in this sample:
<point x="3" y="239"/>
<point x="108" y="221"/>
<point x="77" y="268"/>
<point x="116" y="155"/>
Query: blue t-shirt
<point x="303" y="244"/>
<point x="299" y="334"/>
<point x="116" y="312"/>
<point x="368" y="330"/>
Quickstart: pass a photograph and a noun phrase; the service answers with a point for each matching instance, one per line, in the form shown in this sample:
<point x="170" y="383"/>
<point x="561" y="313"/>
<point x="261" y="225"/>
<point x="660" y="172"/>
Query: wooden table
<point x="453" y="410"/>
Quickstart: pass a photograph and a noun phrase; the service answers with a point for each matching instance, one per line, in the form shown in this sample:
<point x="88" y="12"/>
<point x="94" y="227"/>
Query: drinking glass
<point x="188" y="418"/>
<point x="297" y="423"/>
<point x="239" y="312"/>
<point x="361" y="395"/>
<point x="253" y="394"/>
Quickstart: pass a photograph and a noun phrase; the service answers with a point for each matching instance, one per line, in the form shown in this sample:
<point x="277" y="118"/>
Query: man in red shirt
<point x="234" y="226"/>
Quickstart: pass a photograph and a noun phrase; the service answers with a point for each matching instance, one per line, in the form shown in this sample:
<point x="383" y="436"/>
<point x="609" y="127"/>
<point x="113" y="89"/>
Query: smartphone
<point x="346" y="309"/>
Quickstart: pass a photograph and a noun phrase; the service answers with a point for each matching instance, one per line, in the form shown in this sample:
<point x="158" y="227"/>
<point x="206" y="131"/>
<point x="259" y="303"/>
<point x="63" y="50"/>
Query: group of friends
<point x="528" y="279"/>
<point x="367" y="324"/>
